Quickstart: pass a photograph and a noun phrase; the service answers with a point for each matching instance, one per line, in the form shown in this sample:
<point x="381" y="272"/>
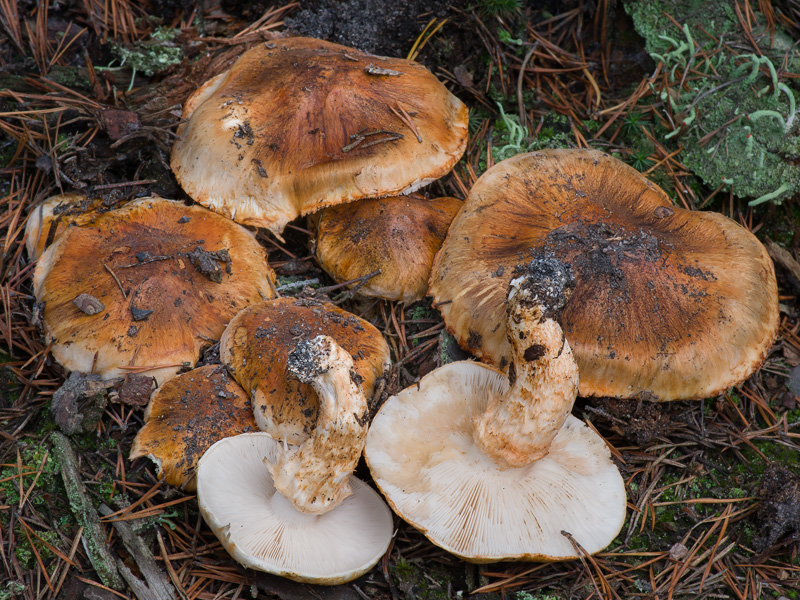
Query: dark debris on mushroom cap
<point x="309" y="359"/>
<point x="546" y="282"/>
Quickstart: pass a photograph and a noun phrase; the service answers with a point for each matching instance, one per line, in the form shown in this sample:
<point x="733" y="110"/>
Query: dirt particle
<point x="534" y="352"/>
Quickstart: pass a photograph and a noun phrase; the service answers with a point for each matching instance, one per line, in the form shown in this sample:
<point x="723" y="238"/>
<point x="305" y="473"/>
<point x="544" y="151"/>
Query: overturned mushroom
<point x="263" y="530"/>
<point x="491" y="467"/>
<point x="300" y="514"/>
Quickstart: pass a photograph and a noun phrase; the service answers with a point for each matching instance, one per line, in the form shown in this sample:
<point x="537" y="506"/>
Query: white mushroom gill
<point x="315" y="475"/>
<point x="519" y="425"/>
<point x="262" y="530"/>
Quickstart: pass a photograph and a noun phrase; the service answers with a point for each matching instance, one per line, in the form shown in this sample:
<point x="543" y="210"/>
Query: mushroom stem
<point x="517" y="427"/>
<point x="315" y="475"/>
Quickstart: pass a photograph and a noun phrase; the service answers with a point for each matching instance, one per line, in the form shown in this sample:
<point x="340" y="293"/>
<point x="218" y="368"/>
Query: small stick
<point x="406" y="119"/>
<point x="114" y="275"/>
<point x="155" y="585"/>
<point x="352" y="145"/>
<point x="144" y="262"/>
<point x="297" y="284"/>
<point x="85" y="514"/>
<point x="111" y="186"/>
<point x="170" y="570"/>
<point x="362" y="135"/>
<point x="382" y="140"/>
<point x="363" y="279"/>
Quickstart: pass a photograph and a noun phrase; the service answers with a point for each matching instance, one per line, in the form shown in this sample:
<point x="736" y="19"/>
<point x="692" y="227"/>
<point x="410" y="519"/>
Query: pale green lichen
<point x="151" y="56"/>
<point x="12" y="589"/>
<point x="733" y="117"/>
<point x="510" y="138"/>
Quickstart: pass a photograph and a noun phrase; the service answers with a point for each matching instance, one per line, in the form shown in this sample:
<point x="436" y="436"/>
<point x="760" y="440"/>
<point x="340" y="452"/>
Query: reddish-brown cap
<point x="147" y="286"/>
<point x="299" y="124"/>
<point x="398" y="236"/>
<point x="256" y="345"/>
<point x="186" y="416"/>
<point x="669" y="304"/>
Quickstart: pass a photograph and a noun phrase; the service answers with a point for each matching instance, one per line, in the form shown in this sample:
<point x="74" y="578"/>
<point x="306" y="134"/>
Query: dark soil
<point x="374" y="26"/>
<point x="779" y="509"/>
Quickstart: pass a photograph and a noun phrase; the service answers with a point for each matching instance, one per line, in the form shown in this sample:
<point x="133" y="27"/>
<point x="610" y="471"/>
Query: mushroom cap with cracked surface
<point x="185" y="416"/>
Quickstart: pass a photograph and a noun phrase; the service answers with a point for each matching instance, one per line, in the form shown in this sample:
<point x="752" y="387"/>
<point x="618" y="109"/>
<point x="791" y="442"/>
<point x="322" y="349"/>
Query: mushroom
<point x="186" y="416"/>
<point x="669" y="304"/>
<point x="397" y="236"/>
<point x="146" y="286"/>
<point x="491" y="467"/>
<point x="262" y="530"/>
<point x="296" y="511"/>
<point x="298" y="124"/>
<point x="255" y="347"/>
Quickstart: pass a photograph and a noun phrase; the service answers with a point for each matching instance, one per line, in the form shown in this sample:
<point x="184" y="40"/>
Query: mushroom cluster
<point x="487" y="461"/>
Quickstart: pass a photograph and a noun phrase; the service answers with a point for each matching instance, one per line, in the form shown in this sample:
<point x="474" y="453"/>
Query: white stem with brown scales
<point x="518" y="427"/>
<point x="315" y="475"/>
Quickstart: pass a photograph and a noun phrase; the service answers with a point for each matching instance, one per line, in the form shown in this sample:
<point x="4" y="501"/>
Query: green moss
<point x="734" y="118"/>
<point x="430" y="582"/>
<point x="11" y="590"/>
<point x="48" y="484"/>
<point x="523" y="595"/>
<point x="494" y="9"/>
<point x="448" y="348"/>
<point x="23" y="550"/>
<point x="421" y="310"/>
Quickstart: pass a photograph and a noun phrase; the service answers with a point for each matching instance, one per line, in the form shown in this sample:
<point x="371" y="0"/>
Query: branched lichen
<point x="732" y="115"/>
<point x="152" y="56"/>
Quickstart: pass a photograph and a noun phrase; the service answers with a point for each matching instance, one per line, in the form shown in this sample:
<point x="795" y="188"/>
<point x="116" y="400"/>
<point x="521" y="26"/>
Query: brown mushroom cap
<point x="156" y="308"/>
<point x="398" y="236"/>
<point x="256" y="345"/>
<point x="299" y="124"/>
<point x="186" y="416"/>
<point x="669" y="304"/>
